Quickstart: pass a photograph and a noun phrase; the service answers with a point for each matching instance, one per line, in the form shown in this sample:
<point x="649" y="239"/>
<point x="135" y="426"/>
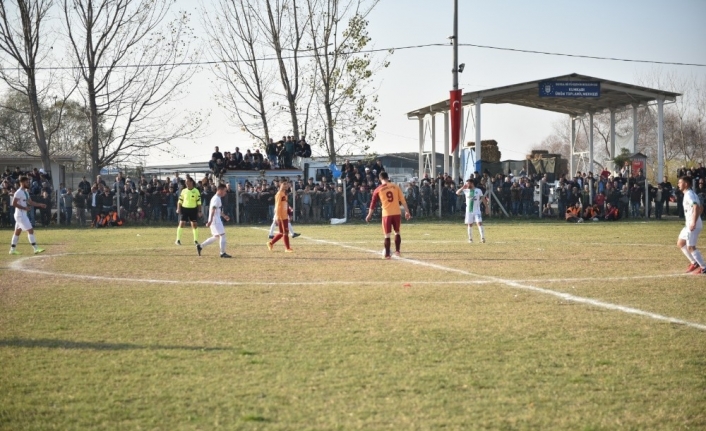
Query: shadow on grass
<point x="50" y="343"/>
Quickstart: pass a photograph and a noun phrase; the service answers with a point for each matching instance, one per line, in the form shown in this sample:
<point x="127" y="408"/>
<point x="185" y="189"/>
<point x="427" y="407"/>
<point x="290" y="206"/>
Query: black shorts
<point x="190" y="214"/>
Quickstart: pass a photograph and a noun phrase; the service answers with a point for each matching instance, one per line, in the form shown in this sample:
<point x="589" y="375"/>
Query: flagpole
<point x="456" y="152"/>
<point x="455" y="46"/>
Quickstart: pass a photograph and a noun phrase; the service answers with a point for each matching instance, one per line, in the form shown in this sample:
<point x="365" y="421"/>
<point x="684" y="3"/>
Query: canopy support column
<point x="590" y="144"/>
<point x="456" y="154"/>
<point x="660" y="139"/>
<point x="433" y="146"/>
<point x="612" y="133"/>
<point x="421" y="146"/>
<point x="446" y="143"/>
<point x="478" y="141"/>
<point x="573" y="146"/>
<point x="634" y="128"/>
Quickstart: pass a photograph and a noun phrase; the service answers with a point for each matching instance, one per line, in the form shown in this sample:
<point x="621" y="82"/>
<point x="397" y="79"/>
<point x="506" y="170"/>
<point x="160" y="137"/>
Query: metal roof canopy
<point x="613" y="96"/>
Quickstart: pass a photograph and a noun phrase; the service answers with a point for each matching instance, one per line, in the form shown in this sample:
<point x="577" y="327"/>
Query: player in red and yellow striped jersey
<point x="390" y="197"/>
<point x="282" y="217"/>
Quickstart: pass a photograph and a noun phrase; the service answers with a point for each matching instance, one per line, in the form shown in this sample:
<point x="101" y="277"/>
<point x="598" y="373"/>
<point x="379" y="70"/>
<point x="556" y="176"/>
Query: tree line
<point x="97" y="77"/>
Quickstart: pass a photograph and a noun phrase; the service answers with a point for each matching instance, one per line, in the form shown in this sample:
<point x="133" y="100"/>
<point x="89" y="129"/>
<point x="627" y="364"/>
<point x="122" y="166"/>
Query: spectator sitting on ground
<point x="592" y="213"/>
<point x="573" y="214"/>
<point x="547" y="211"/>
<point x="611" y="212"/>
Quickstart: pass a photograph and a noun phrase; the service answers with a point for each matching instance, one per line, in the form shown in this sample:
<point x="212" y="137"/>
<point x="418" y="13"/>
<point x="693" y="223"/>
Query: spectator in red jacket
<point x="611" y="213"/>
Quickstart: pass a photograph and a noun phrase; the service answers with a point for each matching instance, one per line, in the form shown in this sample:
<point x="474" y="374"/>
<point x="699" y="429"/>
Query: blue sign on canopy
<point x="569" y="89"/>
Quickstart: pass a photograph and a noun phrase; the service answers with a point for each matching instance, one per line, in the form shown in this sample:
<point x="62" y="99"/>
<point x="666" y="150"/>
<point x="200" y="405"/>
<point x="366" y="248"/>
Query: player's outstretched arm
<point x="31" y="203"/>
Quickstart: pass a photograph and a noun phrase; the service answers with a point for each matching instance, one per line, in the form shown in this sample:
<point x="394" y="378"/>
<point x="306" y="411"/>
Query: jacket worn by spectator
<point x="68" y="200"/>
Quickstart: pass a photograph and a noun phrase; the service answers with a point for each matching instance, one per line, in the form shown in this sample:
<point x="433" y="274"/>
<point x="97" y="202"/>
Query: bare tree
<point x="130" y="59"/>
<point x="338" y="34"/>
<point x="284" y="26"/>
<point x="245" y="78"/>
<point x="683" y="120"/>
<point x="22" y="43"/>
<point x="16" y="131"/>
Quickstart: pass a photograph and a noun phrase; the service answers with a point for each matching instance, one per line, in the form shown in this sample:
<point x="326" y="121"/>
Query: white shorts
<point x="217" y="228"/>
<point x="473" y="218"/>
<point x="22" y="222"/>
<point x="691" y="236"/>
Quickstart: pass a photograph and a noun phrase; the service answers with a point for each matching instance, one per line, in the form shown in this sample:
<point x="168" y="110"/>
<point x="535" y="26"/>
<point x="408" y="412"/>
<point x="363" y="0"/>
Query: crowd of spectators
<point x="585" y="196"/>
<point x="41" y="191"/>
<point x="606" y="196"/>
<point x="277" y="155"/>
<point x="315" y="199"/>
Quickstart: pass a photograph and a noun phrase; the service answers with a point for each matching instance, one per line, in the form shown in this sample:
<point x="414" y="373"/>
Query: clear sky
<point x="636" y="29"/>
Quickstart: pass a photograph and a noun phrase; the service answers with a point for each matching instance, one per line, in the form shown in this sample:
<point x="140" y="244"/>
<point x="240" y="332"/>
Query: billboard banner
<point x="570" y="89"/>
<point x="455" y="113"/>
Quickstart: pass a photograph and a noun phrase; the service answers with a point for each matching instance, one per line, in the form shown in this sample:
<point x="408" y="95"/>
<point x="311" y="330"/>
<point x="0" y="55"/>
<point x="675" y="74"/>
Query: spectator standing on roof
<point x="217" y="154"/>
<point x="271" y="151"/>
<point x="289" y="152"/>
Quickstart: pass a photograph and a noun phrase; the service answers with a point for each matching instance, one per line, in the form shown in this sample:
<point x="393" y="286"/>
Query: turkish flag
<point x="455" y="104"/>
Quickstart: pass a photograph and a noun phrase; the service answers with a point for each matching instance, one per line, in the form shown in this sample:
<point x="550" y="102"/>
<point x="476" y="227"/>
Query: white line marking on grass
<point x="18" y="266"/>
<point x="528" y="287"/>
<point x="625" y="278"/>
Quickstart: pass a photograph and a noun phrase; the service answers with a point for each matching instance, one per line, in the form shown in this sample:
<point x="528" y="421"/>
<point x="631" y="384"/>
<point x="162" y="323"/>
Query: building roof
<point x="20" y="156"/>
<point x="613" y="94"/>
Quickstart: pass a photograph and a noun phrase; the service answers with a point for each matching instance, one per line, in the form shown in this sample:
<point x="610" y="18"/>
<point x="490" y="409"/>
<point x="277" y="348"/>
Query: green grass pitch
<point x="119" y="329"/>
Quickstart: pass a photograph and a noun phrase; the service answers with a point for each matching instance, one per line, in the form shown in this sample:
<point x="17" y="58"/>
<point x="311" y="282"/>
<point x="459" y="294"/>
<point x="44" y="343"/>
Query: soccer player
<point x="282" y="216"/>
<point x="218" y="232"/>
<point x="390" y="196"/>
<point x="189" y="208"/>
<point x="289" y="224"/>
<point x="690" y="233"/>
<point x="474" y="197"/>
<point x="22" y="204"/>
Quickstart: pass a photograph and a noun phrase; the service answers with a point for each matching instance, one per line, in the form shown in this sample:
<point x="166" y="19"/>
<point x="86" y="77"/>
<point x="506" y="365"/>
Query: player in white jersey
<point x="474" y="197"/>
<point x="218" y="232"/>
<point x="22" y="204"/>
<point x="690" y="233"/>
